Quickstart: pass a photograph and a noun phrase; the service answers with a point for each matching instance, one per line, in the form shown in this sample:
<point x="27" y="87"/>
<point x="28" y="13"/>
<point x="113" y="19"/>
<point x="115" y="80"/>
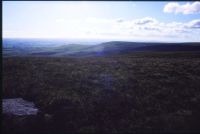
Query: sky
<point x="136" y="21"/>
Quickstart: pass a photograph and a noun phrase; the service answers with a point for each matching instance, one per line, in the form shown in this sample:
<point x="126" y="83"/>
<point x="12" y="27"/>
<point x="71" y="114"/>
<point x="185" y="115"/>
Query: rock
<point x="19" y="107"/>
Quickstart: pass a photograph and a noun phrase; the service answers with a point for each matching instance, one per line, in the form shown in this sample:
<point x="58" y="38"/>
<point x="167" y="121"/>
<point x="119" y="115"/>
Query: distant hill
<point x="102" y="49"/>
<point x="118" y="47"/>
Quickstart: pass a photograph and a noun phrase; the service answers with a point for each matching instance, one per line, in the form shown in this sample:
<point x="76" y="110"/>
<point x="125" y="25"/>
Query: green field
<point x="138" y="92"/>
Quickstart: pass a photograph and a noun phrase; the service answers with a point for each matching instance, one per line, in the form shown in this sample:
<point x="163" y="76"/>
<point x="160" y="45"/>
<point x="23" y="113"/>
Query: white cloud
<point x="188" y="8"/>
<point x="194" y="24"/>
<point x="151" y="28"/>
<point x="171" y="7"/>
<point x="145" y="21"/>
<point x="119" y="20"/>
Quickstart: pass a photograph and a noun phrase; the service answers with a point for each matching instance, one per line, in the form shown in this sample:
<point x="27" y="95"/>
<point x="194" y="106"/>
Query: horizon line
<point x="106" y="39"/>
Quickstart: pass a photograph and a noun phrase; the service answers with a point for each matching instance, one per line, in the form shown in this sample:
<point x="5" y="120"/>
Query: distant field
<point x="136" y="92"/>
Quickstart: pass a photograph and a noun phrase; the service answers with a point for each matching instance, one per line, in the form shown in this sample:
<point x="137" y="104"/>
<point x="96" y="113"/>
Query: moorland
<point x="112" y="89"/>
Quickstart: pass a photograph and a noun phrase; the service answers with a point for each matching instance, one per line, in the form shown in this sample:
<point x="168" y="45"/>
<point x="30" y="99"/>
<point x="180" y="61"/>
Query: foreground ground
<point x="140" y="92"/>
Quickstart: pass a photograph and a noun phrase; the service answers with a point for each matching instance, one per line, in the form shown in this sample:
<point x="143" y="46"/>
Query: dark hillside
<point x="135" y="92"/>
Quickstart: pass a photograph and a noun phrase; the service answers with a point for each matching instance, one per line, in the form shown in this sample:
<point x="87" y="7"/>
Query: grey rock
<point x="19" y="107"/>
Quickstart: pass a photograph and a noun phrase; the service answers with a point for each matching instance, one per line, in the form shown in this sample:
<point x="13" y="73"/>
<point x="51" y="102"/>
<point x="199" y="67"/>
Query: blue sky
<point x="146" y="21"/>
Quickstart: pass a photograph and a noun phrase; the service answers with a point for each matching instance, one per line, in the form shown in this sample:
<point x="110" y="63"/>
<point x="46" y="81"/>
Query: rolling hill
<point x="102" y="49"/>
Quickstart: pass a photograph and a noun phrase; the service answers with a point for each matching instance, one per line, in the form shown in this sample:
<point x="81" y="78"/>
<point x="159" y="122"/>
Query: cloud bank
<point x="148" y="28"/>
<point x="188" y="8"/>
